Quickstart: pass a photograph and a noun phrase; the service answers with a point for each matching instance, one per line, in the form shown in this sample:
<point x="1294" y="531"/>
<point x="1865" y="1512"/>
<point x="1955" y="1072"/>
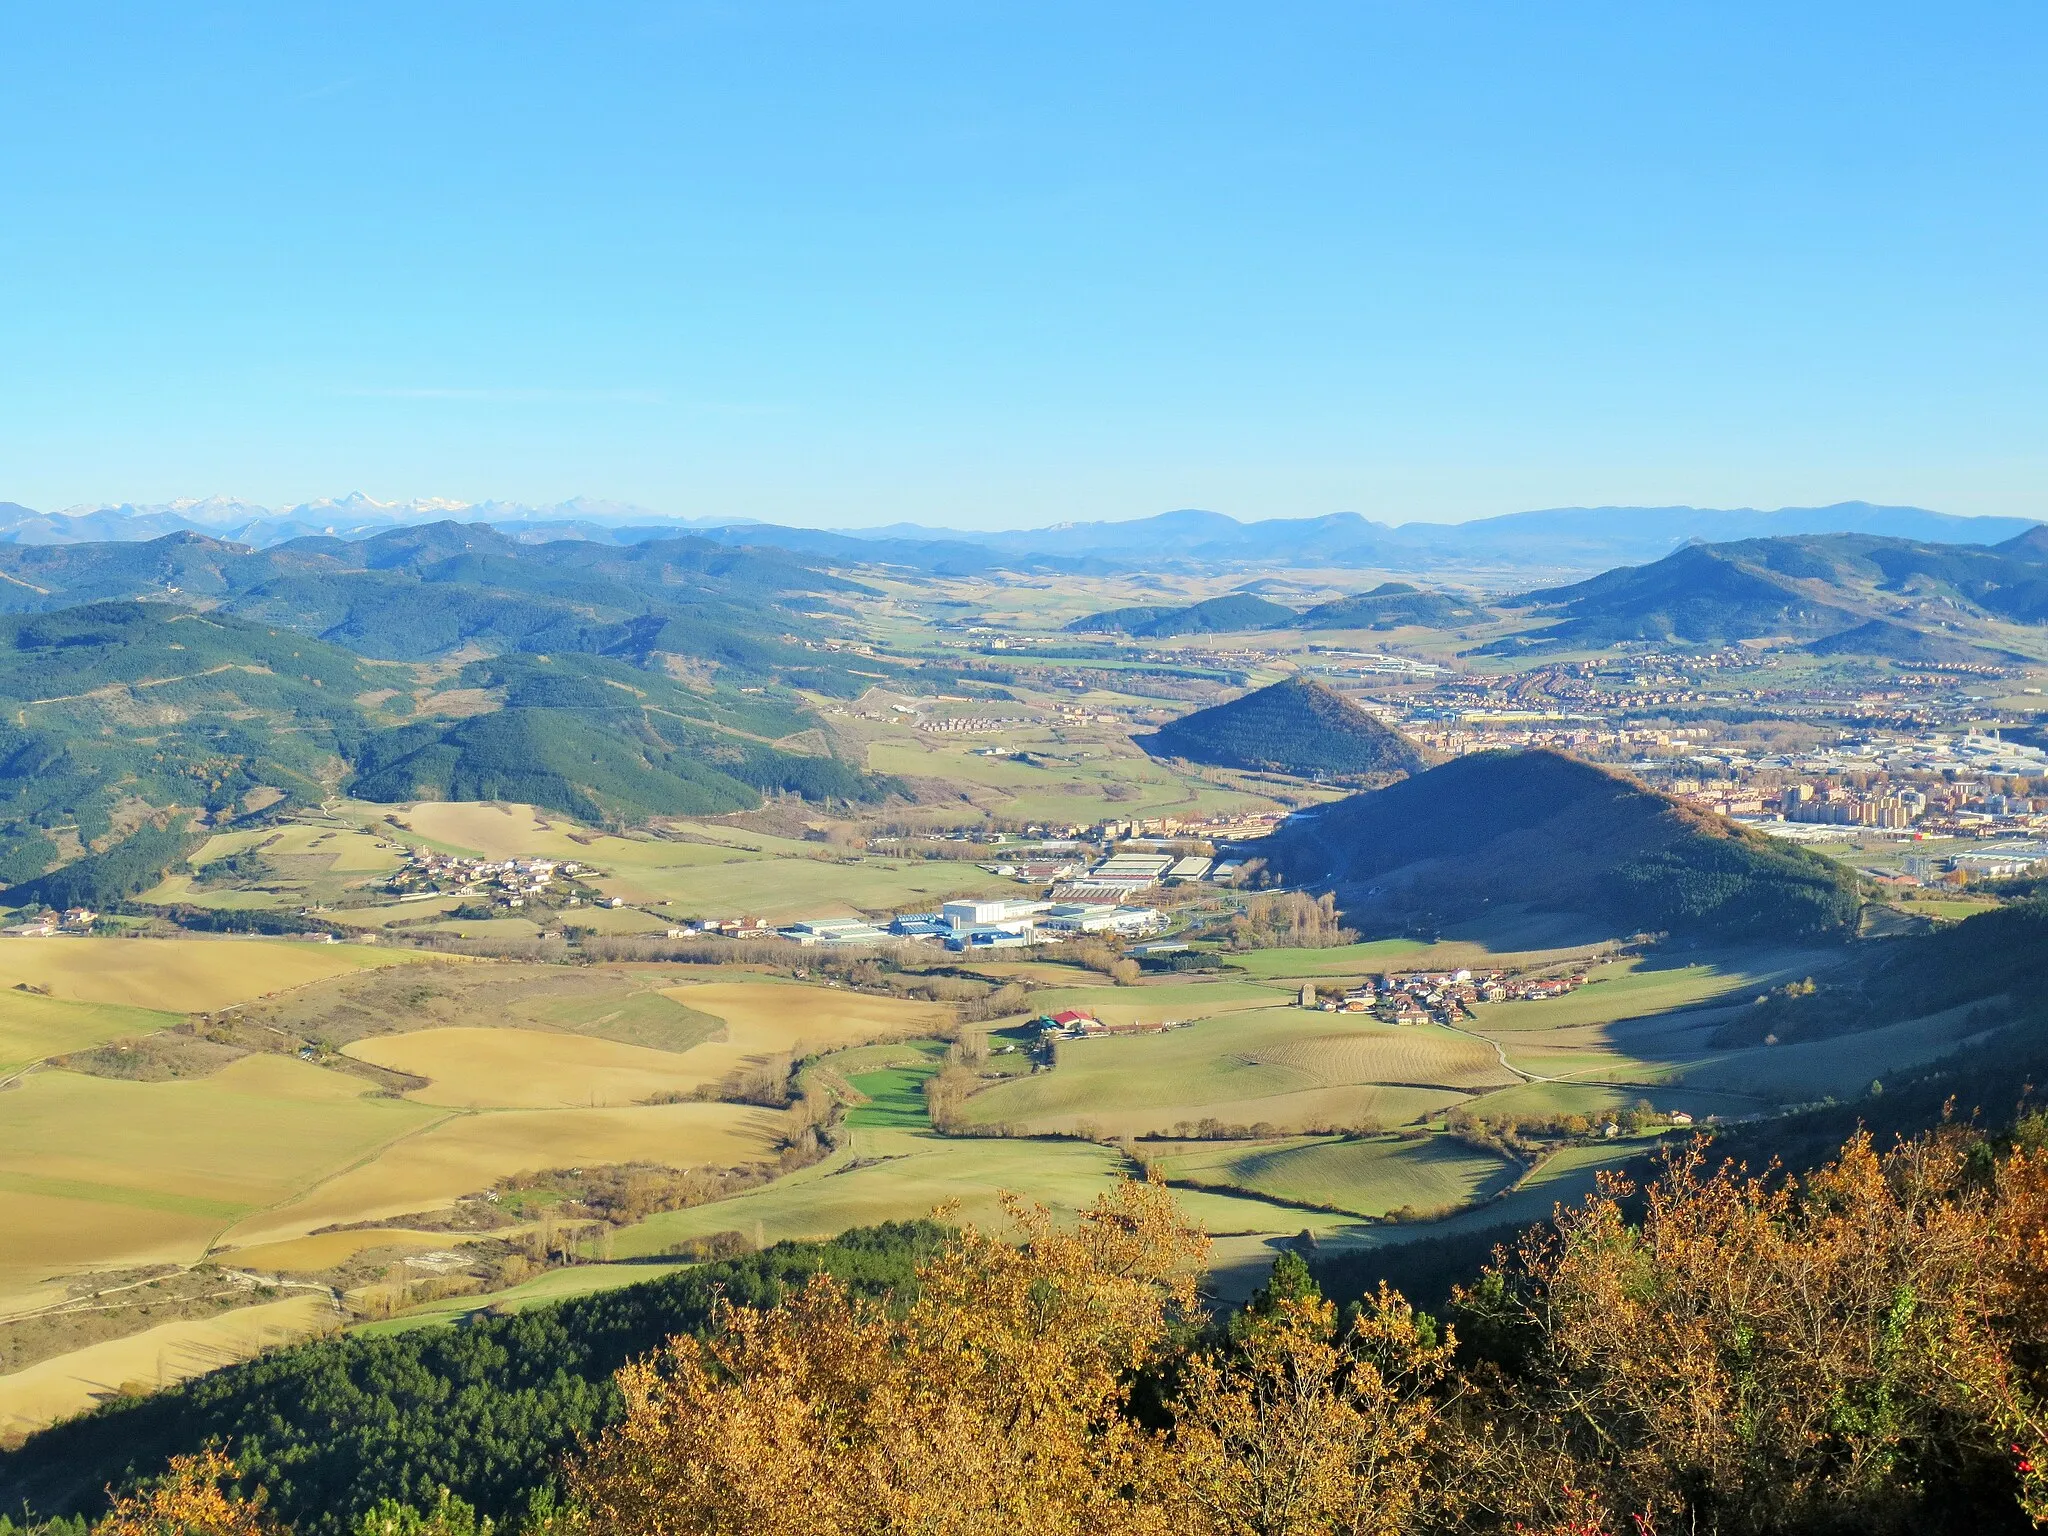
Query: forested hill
<point x="1296" y="726"/>
<point x="1541" y="828"/>
<point x="598" y="740"/>
<point x="1228" y="614"/>
<point x="414" y="593"/>
<point x="1817" y="586"/>
<point x="331" y="1428"/>
<point x="148" y="712"/>
<point x="1392" y="605"/>
<point x="111" y="705"/>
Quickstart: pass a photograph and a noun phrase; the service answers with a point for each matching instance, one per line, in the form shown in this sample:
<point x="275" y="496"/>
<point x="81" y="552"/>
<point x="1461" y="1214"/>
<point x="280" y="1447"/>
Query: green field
<point x="1367" y="1176"/>
<point x="787" y="889"/>
<point x="895" y="1098"/>
<point x="33" y="1026"/>
<point x="504" y="928"/>
<point x="1067" y="782"/>
<point x="1636" y="987"/>
<point x="1288" y="1067"/>
<point x="889" y="1174"/>
<point x="885" y="1174"/>
<point x="1841" y="1068"/>
<point x="554" y="1285"/>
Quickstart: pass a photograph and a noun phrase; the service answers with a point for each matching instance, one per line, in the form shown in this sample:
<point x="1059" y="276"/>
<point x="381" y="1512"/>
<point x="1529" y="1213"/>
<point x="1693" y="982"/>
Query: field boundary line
<point x="1501" y="1051"/>
<point x="328" y="1178"/>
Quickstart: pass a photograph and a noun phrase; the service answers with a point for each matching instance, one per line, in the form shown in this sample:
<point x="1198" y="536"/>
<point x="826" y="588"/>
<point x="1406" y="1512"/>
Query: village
<point x="430" y="873"/>
<point x="1441" y="997"/>
<point x="1397" y="997"/>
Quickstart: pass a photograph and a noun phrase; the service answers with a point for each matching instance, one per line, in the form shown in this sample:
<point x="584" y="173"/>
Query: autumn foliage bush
<point x="1864" y="1349"/>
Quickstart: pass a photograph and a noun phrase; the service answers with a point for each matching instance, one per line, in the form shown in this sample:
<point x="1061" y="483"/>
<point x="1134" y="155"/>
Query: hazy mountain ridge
<point x="1560" y="536"/>
<point x="1231" y="613"/>
<point x="1553" y="539"/>
<point x="352" y="515"/>
<point x="1816" y="586"/>
<point x="414" y="592"/>
<point x="1391" y="605"/>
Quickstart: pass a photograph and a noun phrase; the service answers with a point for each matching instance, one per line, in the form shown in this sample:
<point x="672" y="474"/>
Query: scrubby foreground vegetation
<point x="1861" y="1349"/>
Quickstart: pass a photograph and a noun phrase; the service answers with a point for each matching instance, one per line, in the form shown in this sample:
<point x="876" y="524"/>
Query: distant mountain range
<point x="352" y="516"/>
<point x="1845" y="592"/>
<point x="1559" y="540"/>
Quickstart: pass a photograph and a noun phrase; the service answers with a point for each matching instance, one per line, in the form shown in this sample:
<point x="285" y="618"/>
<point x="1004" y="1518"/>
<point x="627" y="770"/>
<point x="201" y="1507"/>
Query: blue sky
<point x="1002" y="264"/>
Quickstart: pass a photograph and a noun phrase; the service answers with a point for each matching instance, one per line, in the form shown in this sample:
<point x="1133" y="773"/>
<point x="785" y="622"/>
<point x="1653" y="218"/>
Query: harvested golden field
<point x="493" y="831"/>
<point x="530" y="1068"/>
<point x="767" y="1019"/>
<point x="70" y="1384"/>
<point x="610" y="1002"/>
<point x="470" y="1152"/>
<point x="312" y="1255"/>
<point x="180" y="975"/>
<point x="255" y="1131"/>
<point x="507" y="831"/>
<point x="33" y="1027"/>
<point x="51" y="1236"/>
<point x="97" y="1172"/>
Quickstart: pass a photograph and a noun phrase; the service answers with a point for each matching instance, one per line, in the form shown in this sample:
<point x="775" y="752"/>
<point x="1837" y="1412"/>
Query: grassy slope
<point x="1281" y="1065"/>
<point x="1368" y="1177"/>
